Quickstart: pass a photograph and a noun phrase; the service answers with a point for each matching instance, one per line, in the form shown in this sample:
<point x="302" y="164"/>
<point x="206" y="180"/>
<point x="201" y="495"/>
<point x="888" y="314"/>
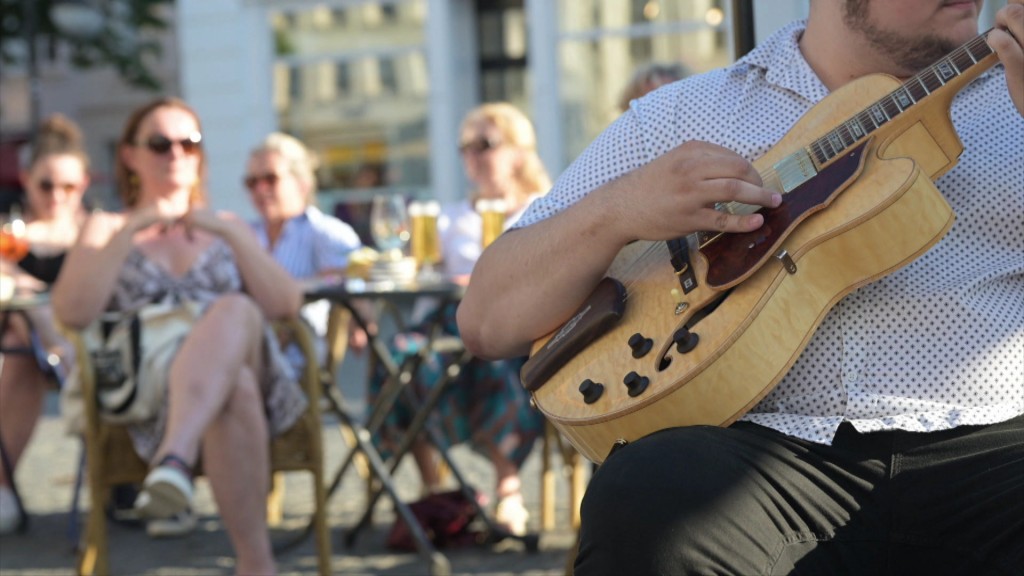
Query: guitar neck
<point x="936" y="83"/>
<point x="965" y="63"/>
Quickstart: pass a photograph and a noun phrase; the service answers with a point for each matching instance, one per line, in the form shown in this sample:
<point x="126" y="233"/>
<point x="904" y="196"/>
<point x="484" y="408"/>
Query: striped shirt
<point x="311" y="243"/>
<point x="935" y="345"/>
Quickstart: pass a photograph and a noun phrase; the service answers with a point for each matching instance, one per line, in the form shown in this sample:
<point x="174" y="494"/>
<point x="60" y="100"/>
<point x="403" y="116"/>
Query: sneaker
<point x="511" y="514"/>
<point x="181" y="524"/>
<point x="10" y="513"/>
<point x="166" y="492"/>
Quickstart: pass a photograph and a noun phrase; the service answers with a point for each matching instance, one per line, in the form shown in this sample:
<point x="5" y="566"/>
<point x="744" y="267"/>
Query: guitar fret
<point x="891" y="108"/>
<point x="878" y="114"/>
<point x="857" y="128"/>
<point x="867" y="115"/>
<point x="983" y="48"/>
<point x="835" y="141"/>
<point x="923" y="87"/>
<point x="946" y="70"/>
<point x="903" y="99"/>
<point x="963" y="60"/>
<point x="828" y="140"/>
<point x="844" y="135"/>
<point x="931" y="81"/>
<point x="819" y="153"/>
<point x="919" y="87"/>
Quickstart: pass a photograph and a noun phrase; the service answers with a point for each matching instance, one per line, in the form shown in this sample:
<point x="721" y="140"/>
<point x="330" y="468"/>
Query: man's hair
<point x="647" y="78"/>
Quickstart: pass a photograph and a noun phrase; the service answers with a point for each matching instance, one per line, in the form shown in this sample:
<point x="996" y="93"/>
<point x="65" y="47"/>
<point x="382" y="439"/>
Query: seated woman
<point x="308" y="243"/>
<point x="487" y="406"/>
<point x="54" y="176"/>
<point x="168" y="244"/>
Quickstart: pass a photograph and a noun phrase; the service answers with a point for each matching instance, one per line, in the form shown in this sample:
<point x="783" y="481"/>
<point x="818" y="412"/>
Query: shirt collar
<point x="783" y="64"/>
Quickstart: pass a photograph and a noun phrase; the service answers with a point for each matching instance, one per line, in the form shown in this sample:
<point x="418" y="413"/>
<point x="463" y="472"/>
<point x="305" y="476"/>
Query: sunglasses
<point x="48" y="186"/>
<point x="479" y="145"/>
<point x="160" y="144"/>
<point x="254" y="180"/>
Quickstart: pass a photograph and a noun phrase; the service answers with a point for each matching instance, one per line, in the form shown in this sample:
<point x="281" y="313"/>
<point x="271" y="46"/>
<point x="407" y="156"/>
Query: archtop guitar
<point x="699" y="329"/>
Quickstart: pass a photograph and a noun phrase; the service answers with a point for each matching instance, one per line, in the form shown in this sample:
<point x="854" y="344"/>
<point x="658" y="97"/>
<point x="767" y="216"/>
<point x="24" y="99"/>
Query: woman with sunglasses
<point x="54" y="176"/>
<point x="487" y="406"/>
<point x="310" y="245"/>
<point x="168" y="244"/>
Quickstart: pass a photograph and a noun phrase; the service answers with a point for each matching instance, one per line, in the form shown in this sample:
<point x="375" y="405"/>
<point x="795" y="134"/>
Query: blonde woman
<point x="55" y="175"/>
<point x="280" y="177"/>
<point x="487" y="406"/>
<point x="168" y="244"/>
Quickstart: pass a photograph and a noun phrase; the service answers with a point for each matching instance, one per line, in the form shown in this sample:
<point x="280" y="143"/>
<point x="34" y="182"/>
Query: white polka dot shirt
<point x="935" y="345"/>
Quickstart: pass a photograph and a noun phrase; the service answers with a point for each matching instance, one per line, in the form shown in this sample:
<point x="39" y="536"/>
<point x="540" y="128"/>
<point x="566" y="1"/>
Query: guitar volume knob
<point x="636" y="384"/>
<point x="640" y="345"/>
<point x="685" y="340"/>
<point x="591" y="390"/>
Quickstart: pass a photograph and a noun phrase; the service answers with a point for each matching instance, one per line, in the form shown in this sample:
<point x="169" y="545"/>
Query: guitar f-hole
<point x="685" y="338"/>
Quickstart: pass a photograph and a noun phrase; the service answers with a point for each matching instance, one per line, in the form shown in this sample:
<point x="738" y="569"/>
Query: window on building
<point x="353" y="86"/>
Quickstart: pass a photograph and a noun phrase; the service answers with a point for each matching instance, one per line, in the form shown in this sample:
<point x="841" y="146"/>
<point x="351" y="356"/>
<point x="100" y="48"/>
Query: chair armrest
<point x="81" y="384"/>
<point x="302" y="335"/>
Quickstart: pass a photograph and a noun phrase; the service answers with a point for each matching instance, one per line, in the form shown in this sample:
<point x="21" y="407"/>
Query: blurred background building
<point x="376" y="87"/>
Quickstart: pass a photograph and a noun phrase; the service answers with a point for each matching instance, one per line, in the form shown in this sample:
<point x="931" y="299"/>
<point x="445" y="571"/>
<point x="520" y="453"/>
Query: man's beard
<point x="913" y="53"/>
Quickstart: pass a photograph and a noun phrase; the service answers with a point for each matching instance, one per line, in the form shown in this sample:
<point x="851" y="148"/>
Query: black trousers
<point x="747" y="500"/>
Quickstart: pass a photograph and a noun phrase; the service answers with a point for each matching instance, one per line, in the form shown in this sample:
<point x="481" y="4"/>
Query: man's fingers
<point x="719" y="221"/>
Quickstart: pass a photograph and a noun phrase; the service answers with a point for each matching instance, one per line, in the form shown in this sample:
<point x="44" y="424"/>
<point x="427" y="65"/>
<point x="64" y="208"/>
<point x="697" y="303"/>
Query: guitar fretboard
<point x="911" y="92"/>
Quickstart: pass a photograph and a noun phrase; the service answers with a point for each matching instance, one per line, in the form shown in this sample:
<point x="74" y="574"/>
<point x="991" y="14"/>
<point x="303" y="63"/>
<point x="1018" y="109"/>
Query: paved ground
<point x="46" y="478"/>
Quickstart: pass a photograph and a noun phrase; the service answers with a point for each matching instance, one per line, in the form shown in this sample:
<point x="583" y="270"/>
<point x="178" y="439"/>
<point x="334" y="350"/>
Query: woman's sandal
<point x="167" y="490"/>
<point x="511" y="514"/>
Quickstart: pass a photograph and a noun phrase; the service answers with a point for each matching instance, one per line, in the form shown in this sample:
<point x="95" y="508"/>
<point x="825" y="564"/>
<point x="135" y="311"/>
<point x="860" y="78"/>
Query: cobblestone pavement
<point x="46" y="479"/>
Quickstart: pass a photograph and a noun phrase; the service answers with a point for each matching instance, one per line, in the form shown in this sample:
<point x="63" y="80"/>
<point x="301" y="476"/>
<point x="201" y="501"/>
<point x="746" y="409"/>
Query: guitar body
<point x="886" y="213"/>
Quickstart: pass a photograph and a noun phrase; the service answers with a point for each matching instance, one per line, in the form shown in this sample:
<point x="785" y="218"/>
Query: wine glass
<point x="389" y="225"/>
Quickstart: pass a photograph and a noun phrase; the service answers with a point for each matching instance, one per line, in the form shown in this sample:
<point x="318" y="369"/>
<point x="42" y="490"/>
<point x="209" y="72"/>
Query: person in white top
<point x="487" y="406"/>
<point x="895" y="443"/>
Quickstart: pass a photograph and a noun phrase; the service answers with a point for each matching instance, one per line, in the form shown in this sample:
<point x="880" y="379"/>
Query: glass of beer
<point x="492" y="214"/>
<point x="425" y="244"/>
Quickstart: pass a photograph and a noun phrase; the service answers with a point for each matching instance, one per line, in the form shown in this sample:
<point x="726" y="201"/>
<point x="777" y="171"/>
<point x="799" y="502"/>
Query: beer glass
<point x="425" y="244"/>
<point x="492" y="214"/>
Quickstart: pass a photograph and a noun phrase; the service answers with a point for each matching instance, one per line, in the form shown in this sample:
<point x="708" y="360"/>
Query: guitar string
<point x="775" y="177"/>
<point x="660" y="248"/>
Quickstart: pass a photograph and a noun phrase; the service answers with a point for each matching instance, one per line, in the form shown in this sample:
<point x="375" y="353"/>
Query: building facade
<point x="377" y="87"/>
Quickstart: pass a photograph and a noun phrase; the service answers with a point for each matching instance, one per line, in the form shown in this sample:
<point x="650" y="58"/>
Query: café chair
<point x="111" y="459"/>
<point x="555" y="451"/>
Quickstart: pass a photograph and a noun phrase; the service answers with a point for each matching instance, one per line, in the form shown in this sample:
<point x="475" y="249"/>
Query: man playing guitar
<point x="894" y="444"/>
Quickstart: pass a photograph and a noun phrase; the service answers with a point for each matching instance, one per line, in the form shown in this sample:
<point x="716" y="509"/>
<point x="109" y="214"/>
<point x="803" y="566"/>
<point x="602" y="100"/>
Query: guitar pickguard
<point x="732" y="258"/>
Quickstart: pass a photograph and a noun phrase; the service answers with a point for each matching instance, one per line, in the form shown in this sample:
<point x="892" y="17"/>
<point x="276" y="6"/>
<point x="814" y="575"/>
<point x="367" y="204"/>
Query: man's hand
<point x="1007" y="39"/>
<point x="676" y="194"/>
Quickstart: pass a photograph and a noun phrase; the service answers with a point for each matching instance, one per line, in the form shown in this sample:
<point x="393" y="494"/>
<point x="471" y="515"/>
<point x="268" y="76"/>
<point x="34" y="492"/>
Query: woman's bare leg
<point x="215" y="400"/>
<point x="205" y="372"/>
<point x="22" y="390"/>
<point x="236" y="460"/>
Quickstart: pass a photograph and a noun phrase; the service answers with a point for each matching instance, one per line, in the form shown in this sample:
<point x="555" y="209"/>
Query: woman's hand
<point x="209" y="220"/>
